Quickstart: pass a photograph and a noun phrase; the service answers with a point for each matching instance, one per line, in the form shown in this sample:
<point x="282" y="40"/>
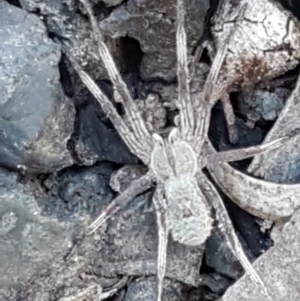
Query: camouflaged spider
<point x="183" y="195"/>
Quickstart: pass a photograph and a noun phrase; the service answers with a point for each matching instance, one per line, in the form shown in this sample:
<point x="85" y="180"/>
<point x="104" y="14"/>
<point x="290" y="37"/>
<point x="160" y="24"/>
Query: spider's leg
<point x="208" y="45"/>
<point x="160" y="205"/>
<point x="184" y="104"/>
<point x="228" y="231"/>
<point x="229" y="117"/>
<point x="109" y="110"/>
<point x="136" y="187"/>
<point x="209" y="98"/>
<point x="122" y="95"/>
<point x="211" y="92"/>
<point x="247" y="152"/>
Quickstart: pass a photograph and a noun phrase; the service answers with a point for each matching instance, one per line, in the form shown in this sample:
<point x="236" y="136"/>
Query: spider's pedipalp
<point x="184" y="97"/>
<point x="161" y="208"/>
<point x="136" y="187"/>
<point x="121" y="93"/>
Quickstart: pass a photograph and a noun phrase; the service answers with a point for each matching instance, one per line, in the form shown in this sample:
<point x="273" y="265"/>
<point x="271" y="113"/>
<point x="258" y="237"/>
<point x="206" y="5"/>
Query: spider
<point x="184" y="197"/>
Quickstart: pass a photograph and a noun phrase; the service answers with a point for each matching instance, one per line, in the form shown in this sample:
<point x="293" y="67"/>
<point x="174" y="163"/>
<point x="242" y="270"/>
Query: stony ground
<point x="58" y="151"/>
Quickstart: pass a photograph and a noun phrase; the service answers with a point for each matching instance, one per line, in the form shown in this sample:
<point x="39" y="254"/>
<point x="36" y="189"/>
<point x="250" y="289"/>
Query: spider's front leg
<point x="184" y="104"/>
<point x="135" y="134"/>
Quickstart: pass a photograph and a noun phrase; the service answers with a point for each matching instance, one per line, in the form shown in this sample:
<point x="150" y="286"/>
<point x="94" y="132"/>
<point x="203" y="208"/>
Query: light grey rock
<point x="152" y="23"/>
<point x="279" y="268"/>
<point x="36" y="118"/>
<point x="145" y="289"/>
<point x="112" y="2"/>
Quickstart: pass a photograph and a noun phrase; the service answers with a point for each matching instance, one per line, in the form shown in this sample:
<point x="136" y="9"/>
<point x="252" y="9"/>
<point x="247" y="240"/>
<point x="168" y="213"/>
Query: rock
<point x="129" y="247"/>
<point x="219" y="257"/>
<point x="36" y="118"/>
<point x="152" y="23"/>
<point x="112" y="2"/>
<point x="251" y="57"/>
<point x="67" y="23"/>
<point x="282" y="164"/>
<point x="145" y="289"/>
<point x="98" y="135"/>
<point x="78" y="191"/>
<point x="30" y="244"/>
<point x="279" y="268"/>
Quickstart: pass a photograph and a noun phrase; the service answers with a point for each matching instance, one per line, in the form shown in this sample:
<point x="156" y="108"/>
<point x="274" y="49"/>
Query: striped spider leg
<point x="183" y="194"/>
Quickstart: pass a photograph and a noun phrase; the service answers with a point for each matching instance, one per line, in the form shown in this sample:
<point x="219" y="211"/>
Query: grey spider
<point x="183" y="195"/>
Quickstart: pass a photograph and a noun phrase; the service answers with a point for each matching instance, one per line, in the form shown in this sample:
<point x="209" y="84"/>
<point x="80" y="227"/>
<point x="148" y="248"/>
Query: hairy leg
<point x="136" y="187"/>
<point x="160" y="205"/>
<point x="229" y="117"/>
<point x="247" y="152"/>
<point x="184" y="104"/>
<point x="122" y="95"/>
<point x="110" y="111"/>
<point x="211" y="91"/>
<point x="225" y="225"/>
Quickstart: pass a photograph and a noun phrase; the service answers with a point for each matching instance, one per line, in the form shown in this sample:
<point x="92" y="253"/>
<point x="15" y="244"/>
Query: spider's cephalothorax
<point x="175" y="164"/>
<point x="183" y="194"/>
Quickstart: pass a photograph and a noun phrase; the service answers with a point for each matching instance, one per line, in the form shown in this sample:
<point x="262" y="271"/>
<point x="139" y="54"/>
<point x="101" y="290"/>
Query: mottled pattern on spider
<point x="183" y="194"/>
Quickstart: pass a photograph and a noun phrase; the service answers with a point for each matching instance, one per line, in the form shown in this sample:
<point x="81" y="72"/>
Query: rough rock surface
<point x="36" y="118"/>
<point x="279" y="268"/>
<point x="145" y="289"/>
<point x="29" y="241"/>
<point x="282" y="165"/>
<point x="152" y="23"/>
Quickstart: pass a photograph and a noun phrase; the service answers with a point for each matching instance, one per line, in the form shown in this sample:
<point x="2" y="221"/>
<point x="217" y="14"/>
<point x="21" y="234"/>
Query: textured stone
<point x="152" y="23"/>
<point x="36" y="118"/>
<point x="279" y="268"/>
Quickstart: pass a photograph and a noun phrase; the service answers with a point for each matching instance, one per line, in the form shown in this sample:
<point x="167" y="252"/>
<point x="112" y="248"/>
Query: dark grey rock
<point x="96" y="133"/>
<point x="219" y="257"/>
<point x="262" y="105"/>
<point x="36" y="118"/>
<point x="81" y="190"/>
<point x="216" y="282"/>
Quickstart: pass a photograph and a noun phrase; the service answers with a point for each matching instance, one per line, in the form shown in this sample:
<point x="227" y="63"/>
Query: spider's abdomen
<point x="188" y="215"/>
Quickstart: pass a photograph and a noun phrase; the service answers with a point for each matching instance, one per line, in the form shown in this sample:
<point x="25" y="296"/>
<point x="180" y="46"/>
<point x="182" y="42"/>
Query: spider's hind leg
<point x="226" y="227"/>
<point x="160" y="205"/>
